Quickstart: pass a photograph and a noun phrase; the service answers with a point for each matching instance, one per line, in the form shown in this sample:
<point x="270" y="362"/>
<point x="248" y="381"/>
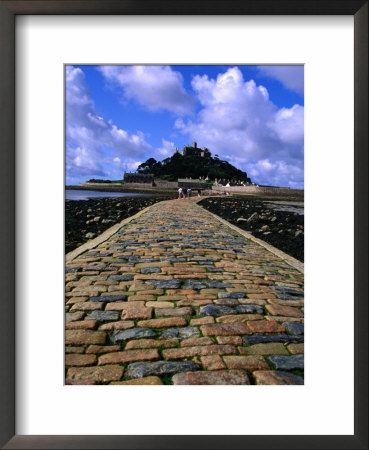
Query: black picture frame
<point x="8" y="12"/>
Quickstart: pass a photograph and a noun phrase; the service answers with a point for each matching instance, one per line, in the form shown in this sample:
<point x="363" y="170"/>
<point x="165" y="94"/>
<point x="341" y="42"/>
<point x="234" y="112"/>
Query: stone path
<point x="177" y="297"/>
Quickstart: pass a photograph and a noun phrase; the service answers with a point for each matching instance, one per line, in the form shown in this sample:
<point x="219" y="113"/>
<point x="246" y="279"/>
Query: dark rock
<point x="250" y="309"/>
<point x="161" y="368"/>
<point x="261" y="338"/>
<point x="218" y="284"/>
<point x="103" y="316"/>
<point x="133" y="333"/>
<point x="287" y="362"/>
<point x="181" y="333"/>
<point x="165" y="284"/>
<point x="194" y="284"/>
<point x="150" y="269"/>
<point x="110" y="211"/>
<point x="262" y="214"/>
<point x="216" y="310"/>
<point x="231" y="295"/>
<point x="121" y="277"/>
<point x="72" y="269"/>
<point x="253" y="217"/>
<point x="288" y="290"/>
<point x="294" y="327"/>
<point x="99" y="268"/>
<point x="108" y="298"/>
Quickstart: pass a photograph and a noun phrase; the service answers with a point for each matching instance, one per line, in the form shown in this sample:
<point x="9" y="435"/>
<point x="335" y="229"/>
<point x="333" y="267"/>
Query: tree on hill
<point x="185" y="166"/>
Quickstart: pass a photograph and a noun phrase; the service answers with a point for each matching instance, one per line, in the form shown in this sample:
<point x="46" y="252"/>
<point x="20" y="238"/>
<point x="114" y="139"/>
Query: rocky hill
<point x="194" y="166"/>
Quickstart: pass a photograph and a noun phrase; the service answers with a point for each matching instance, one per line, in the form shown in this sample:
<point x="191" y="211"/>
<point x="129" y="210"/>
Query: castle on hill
<point x="193" y="150"/>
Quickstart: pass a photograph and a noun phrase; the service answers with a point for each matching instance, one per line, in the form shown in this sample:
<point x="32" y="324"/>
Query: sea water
<point x="76" y="194"/>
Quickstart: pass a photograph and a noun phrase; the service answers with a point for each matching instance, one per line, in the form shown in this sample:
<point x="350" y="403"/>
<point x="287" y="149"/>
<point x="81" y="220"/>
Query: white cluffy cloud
<point x="153" y="87"/>
<point x="240" y="123"/>
<point x="95" y="147"/>
<point x="167" y="149"/>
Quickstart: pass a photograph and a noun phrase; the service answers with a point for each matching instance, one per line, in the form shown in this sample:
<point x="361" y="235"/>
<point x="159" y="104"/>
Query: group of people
<point x="184" y="192"/>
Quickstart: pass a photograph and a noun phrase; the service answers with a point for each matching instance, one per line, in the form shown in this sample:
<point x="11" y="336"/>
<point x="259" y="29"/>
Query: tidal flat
<point x="86" y="219"/>
<point x="278" y="222"/>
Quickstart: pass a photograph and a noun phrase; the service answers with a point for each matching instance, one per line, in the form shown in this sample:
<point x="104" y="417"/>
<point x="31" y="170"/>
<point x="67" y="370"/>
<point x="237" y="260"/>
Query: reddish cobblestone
<point x="87" y="306"/>
<point x="202" y="321"/>
<point x="140" y="381"/>
<point x="82" y="324"/>
<point x="296" y="349"/>
<point x="265" y="326"/>
<point x="96" y="374"/>
<point x="233" y="340"/>
<point x="151" y="343"/>
<point x="137" y="312"/>
<point x="129" y="356"/>
<point x="71" y="349"/>
<point x="196" y="341"/>
<point x="270" y="348"/>
<point x="102" y="349"/>
<point x="212" y="377"/>
<point x="120" y="325"/>
<point x="245" y="362"/>
<point x="212" y="362"/>
<point x="164" y="305"/>
<point x="274" y="377"/>
<point x="279" y="310"/>
<point x="189" y="352"/>
<point x="225" y="329"/>
<point x="79" y="360"/>
<point x="163" y="323"/>
<point x="78" y="337"/>
<point x="239" y="318"/>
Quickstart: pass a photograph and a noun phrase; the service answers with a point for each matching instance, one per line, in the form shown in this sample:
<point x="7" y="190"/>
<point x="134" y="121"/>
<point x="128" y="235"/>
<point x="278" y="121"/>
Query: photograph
<point x="156" y="163"/>
<point x="184" y="224"/>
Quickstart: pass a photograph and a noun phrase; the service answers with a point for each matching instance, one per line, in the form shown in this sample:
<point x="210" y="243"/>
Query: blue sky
<point x="119" y="116"/>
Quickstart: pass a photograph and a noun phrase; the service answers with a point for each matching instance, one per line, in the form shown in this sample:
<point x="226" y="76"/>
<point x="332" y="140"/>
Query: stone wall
<point x="164" y="184"/>
<point x="259" y="190"/>
<point x="159" y="185"/>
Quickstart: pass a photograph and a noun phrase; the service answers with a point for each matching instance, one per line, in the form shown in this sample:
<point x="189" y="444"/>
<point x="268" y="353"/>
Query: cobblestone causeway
<point x="175" y="296"/>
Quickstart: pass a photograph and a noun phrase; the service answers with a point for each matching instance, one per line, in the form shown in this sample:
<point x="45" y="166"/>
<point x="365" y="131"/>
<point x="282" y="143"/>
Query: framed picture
<point x="212" y="34"/>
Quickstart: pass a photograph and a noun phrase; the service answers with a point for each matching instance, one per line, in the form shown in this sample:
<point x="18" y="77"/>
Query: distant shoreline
<point x="107" y="187"/>
<point x="264" y="192"/>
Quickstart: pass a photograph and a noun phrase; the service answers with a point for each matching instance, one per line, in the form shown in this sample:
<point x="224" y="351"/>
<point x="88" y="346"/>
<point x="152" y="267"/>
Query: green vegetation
<point x="95" y="180"/>
<point x="117" y="182"/>
<point x="179" y="166"/>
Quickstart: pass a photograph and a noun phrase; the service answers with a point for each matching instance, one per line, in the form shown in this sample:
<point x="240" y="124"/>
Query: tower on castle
<point x="193" y="150"/>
